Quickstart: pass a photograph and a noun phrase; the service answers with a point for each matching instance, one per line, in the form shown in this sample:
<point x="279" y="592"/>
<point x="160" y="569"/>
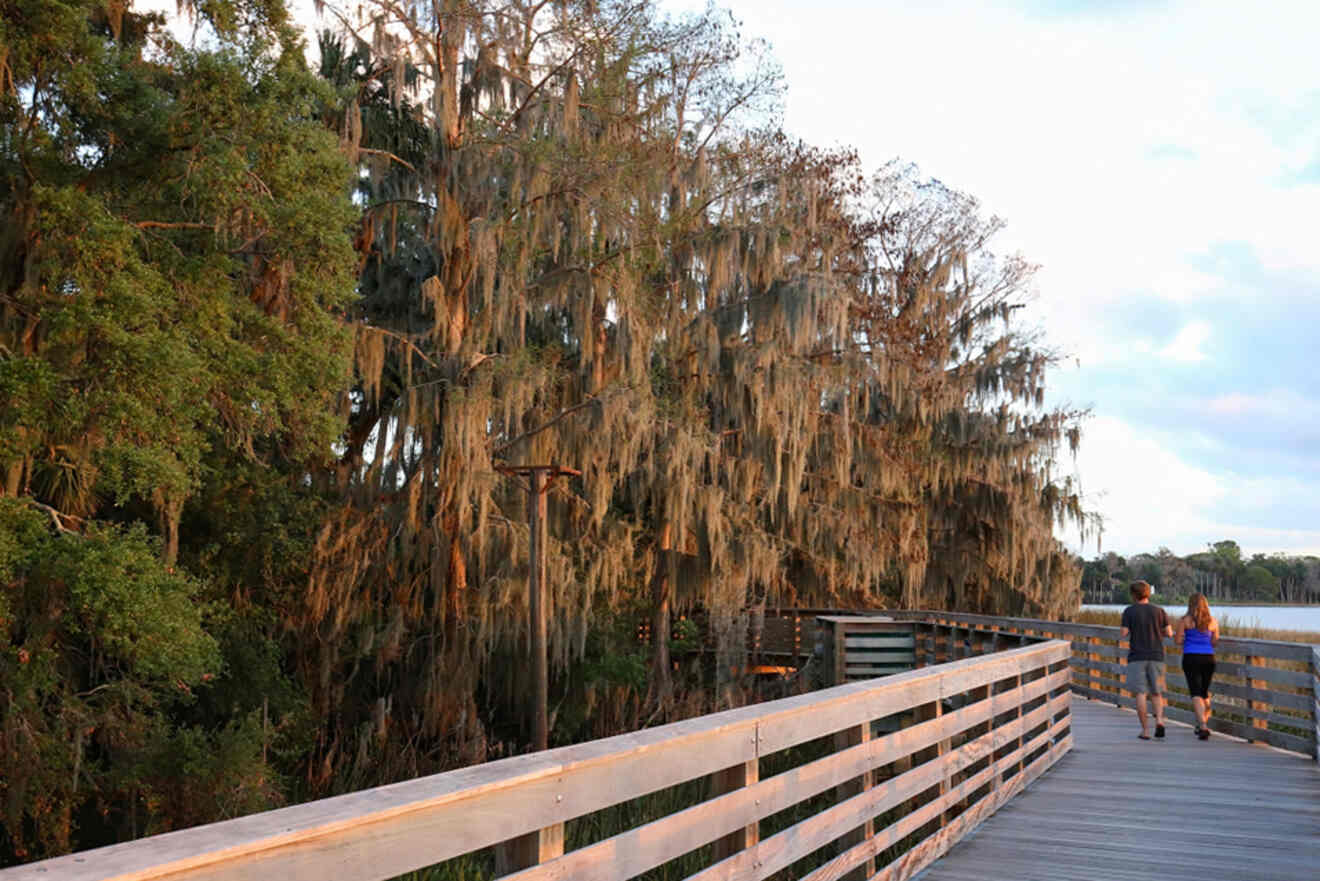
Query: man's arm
<point x="1168" y="630"/>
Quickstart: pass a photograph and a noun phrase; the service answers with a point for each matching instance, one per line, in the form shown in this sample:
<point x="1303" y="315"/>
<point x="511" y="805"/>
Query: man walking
<point x="1144" y="626"/>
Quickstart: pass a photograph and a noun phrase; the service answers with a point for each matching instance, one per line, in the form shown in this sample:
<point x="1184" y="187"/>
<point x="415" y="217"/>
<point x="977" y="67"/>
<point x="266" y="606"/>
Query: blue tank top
<point x="1197" y="642"/>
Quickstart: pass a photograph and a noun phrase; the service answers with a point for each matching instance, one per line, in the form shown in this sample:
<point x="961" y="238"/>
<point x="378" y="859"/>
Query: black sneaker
<point x="1203" y="734"/>
<point x="1159" y="730"/>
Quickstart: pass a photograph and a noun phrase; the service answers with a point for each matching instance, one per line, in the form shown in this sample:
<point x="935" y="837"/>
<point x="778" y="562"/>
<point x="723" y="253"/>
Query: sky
<point x="1161" y="162"/>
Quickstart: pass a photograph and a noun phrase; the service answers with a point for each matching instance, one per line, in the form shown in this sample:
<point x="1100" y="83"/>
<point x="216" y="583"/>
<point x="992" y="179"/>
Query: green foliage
<point x="1228" y="552"/>
<point x="685" y="637"/>
<point x="1260" y="582"/>
<point x="289" y="331"/>
<point x="102" y="641"/>
<point x="1221" y="573"/>
<point x="175" y="262"/>
<point x="175" y="268"/>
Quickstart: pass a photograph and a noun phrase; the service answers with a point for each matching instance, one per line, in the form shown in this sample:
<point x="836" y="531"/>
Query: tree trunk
<point x="662" y="686"/>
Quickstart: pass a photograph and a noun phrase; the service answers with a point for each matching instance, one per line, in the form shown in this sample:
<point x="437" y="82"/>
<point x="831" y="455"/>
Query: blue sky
<point x="1161" y="160"/>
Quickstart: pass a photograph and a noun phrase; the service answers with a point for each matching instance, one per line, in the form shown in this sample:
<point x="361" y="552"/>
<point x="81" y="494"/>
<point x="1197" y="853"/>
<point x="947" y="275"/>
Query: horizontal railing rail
<point x="891" y="770"/>
<point x="1265" y="691"/>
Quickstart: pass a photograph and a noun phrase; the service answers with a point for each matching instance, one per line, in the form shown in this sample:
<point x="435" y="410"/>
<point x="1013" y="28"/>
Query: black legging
<point x="1199" y="670"/>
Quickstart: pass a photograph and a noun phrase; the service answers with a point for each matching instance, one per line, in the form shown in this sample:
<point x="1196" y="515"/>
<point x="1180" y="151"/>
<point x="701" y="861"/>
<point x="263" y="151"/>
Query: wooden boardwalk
<point x="1121" y="809"/>
<point x="1003" y="768"/>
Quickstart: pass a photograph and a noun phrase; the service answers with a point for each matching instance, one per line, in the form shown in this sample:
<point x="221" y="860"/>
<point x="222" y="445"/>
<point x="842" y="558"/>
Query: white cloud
<point x="1235" y="404"/>
<point x="1186" y="346"/>
<point x="1146" y="493"/>
<point x="1151" y="496"/>
<point x="1280" y="405"/>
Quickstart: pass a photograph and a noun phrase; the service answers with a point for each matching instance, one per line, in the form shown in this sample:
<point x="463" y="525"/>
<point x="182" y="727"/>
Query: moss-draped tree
<point x="781" y="381"/>
<point x="575" y="236"/>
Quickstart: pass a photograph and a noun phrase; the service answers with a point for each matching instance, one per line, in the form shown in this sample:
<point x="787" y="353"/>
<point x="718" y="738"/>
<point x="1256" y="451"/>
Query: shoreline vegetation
<point x="1223" y="572"/>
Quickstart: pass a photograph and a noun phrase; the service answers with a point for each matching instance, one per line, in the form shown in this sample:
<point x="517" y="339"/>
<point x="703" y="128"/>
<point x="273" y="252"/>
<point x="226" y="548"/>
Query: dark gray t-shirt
<point x="1146" y="623"/>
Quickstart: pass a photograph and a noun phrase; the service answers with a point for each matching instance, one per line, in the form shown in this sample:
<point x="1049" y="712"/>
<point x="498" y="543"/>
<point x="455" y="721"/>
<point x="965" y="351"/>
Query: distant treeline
<point x="1220" y="572"/>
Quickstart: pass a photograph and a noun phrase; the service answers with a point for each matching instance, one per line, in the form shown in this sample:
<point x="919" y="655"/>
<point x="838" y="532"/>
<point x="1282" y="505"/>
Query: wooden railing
<point x="865" y="646"/>
<point x="1264" y="690"/>
<point x="890" y="771"/>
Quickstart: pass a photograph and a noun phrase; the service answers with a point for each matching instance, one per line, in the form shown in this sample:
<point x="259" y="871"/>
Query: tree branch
<point x="388" y="155"/>
<point x="563" y="414"/>
<point x="161" y="224"/>
<point x="56" y="516"/>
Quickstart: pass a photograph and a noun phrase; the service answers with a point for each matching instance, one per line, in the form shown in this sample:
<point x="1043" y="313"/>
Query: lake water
<point x="1270" y="617"/>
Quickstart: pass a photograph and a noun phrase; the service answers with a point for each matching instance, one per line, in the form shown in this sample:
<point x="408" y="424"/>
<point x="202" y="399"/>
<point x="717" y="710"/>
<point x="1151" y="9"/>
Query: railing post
<point x="925" y="713"/>
<point x="941" y="750"/>
<point x="840" y="653"/>
<point x="843" y="740"/>
<point x="529" y="850"/>
<point x="1092" y="669"/>
<point x="1315" y="711"/>
<point x="1121" y="659"/>
<point x="1254" y="685"/>
<point x="1022" y="735"/>
<point x="740" y="775"/>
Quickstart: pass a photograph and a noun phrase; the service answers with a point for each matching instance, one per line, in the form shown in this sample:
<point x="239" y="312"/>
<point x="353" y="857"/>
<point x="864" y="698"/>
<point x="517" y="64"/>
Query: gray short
<point x="1145" y="677"/>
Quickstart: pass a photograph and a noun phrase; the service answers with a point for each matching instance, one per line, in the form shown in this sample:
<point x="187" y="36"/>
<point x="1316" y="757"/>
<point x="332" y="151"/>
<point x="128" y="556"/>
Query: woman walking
<point x="1197" y="634"/>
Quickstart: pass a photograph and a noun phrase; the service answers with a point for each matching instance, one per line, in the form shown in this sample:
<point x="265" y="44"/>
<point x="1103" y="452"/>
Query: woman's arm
<point x="1180" y="633"/>
<point x="1214" y="632"/>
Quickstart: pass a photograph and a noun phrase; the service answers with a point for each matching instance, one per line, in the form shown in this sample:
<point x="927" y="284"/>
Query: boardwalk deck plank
<point x="1124" y="809"/>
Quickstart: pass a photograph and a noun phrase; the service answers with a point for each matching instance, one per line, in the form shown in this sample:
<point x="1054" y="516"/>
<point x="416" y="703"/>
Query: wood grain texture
<point x="730" y="780"/>
<point x="1315" y="692"/>
<point x="781" y="850"/>
<point x="925" y="814"/>
<point x="896" y="640"/>
<point x="1121" y="809"/>
<point x="637" y="850"/>
<point x="387" y="831"/>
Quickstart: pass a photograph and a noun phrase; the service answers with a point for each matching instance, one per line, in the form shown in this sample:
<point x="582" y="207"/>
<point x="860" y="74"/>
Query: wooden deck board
<point x="1124" y="809"/>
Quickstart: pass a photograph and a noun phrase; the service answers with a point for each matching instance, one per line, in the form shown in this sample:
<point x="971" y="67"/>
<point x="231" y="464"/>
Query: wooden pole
<point x="840" y="655"/>
<point x="850" y="737"/>
<point x="538" y="484"/>
<point x="1315" y="688"/>
<point x="1092" y="669"/>
<point x="536" y="601"/>
<point x="1258" y="687"/>
<point x="729" y="780"/>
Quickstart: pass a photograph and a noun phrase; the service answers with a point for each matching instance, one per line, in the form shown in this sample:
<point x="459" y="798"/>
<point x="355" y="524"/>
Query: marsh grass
<point x="1228" y="626"/>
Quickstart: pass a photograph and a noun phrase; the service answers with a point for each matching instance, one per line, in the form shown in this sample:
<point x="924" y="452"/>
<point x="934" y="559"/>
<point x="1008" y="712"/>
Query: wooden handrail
<point x="1275" y="705"/>
<point x="386" y="831"/>
<point x="1268" y="648"/>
